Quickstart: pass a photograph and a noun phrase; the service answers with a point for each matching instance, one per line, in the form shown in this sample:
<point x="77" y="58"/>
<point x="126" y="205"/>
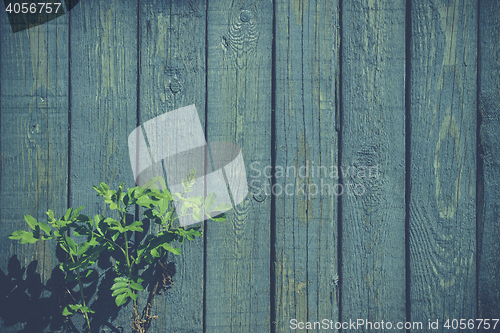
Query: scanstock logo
<point x="173" y="144"/>
<point x="25" y="14"/>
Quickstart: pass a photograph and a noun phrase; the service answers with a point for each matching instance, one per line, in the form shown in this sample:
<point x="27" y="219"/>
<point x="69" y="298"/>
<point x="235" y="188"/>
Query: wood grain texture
<point x="172" y="75"/>
<point x="33" y="164"/>
<point x="307" y="74"/>
<point x="489" y="197"/>
<point x="372" y="127"/>
<point x="442" y="209"/>
<point x="103" y="113"/>
<point x="239" y="111"/>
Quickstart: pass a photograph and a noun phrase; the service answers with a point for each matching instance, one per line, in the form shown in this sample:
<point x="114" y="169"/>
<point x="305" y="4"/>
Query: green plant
<point x="83" y="239"/>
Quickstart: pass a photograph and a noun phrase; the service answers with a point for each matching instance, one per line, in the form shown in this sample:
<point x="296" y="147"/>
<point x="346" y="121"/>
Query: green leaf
<point x="114" y="237"/>
<point x="120" y="188"/>
<point x="163" y="206"/>
<point x="222" y="207"/>
<point x="18" y="234"/>
<point x="189" y="233"/>
<point x="77" y="211"/>
<point x="98" y="219"/>
<point x="75" y="307"/>
<point x="133" y="296"/>
<point x="50" y="214"/>
<point x="111" y="221"/>
<point x="93" y="241"/>
<point x="121" y="299"/>
<point x="135" y="226"/>
<point x="169" y="248"/>
<point x="68" y="214"/>
<point x="151" y="184"/>
<point x="82" y="248"/>
<point x="86" y="309"/>
<point x="145" y="201"/>
<point x="155" y="253"/>
<point x="169" y="215"/>
<point x="23" y="236"/>
<point x="71" y="244"/>
<point x="120" y="291"/>
<point x="28" y="238"/>
<point x="120" y="282"/>
<point x="31" y="221"/>
<point x="64" y="246"/>
<point x="191" y="176"/>
<point x="210" y="200"/>
<point x="136" y="286"/>
<point x="90" y="272"/>
<point x="119" y="228"/>
<point x="45" y="227"/>
<point x="66" y="312"/>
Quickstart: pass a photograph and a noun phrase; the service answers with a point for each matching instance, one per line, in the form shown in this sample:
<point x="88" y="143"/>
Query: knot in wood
<point x="175" y="86"/>
<point x="245" y="16"/>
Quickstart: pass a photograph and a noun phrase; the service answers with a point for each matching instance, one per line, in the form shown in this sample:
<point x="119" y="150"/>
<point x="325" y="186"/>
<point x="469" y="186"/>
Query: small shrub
<point x="117" y="236"/>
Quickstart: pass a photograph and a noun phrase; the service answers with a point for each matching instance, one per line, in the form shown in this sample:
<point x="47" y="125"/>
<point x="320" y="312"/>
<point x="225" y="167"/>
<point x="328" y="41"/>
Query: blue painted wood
<point x="172" y="75"/>
<point x="488" y="208"/>
<point x="33" y="167"/>
<point x="373" y="282"/>
<point x="442" y="215"/>
<point x="239" y="66"/>
<point x="306" y="205"/>
<point x="103" y="108"/>
<point x="338" y="100"/>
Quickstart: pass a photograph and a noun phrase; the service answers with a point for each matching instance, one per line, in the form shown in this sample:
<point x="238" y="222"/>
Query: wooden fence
<point x="409" y="87"/>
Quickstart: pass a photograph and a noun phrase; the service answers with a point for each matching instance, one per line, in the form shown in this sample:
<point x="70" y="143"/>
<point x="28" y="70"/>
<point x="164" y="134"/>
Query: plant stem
<point x="126" y="249"/>
<point x="80" y="286"/>
<point x="129" y="266"/>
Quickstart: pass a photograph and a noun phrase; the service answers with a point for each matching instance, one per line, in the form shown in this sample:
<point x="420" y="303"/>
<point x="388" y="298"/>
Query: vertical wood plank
<point x="307" y="73"/>
<point x="373" y="161"/>
<point x="489" y="197"/>
<point x="239" y="40"/>
<point x="172" y="75"/>
<point x="33" y="164"/>
<point x="103" y="113"/>
<point x="442" y="210"/>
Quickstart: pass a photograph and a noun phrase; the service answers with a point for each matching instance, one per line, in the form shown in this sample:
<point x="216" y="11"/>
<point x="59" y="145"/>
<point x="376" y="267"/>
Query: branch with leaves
<point x="83" y="239"/>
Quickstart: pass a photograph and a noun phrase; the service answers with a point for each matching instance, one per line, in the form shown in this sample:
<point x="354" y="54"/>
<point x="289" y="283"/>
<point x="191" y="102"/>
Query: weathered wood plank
<point x="489" y="196"/>
<point x="172" y="75"/>
<point x="373" y="143"/>
<point x="239" y="40"/>
<point x="307" y="72"/>
<point x="103" y="113"/>
<point x="33" y="165"/>
<point x="442" y="210"/>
